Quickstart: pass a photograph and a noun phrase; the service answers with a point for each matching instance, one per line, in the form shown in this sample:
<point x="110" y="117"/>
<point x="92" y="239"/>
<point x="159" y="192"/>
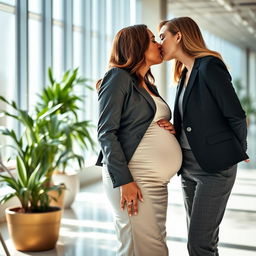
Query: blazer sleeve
<point x="218" y="80"/>
<point x="111" y="99"/>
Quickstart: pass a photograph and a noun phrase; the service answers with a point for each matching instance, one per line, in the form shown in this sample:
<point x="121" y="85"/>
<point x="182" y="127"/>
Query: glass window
<point x="77" y="63"/>
<point x="35" y="6"/>
<point x="58" y="37"/>
<point x="109" y="27"/>
<point x="11" y="2"/>
<point x="77" y="12"/>
<point x="95" y="39"/>
<point x="58" y="58"/>
<point x="94" y="24"/>
<point x="78" y="33"/>
<point x="7" y="68"/>
<point x="57" y="9"/>
<point x="229" y="52"/>
<point x="77" y="49"/>
<point x="35" y="60"/>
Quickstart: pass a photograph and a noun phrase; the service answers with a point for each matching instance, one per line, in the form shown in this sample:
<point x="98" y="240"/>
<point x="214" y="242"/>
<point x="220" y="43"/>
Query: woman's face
<point x="153" y="53"/>
<point x="169" y="43"/>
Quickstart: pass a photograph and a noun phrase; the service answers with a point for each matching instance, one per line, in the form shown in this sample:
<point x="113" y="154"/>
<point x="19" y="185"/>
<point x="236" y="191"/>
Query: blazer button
<point x="189" y="129"/>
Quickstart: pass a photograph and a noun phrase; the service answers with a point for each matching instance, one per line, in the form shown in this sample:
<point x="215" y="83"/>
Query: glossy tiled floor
<point x="87" y="228"/>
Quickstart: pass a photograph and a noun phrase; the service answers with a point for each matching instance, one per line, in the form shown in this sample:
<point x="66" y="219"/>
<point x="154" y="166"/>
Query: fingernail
<point x="130" y="215"/>
<point x="141" y="199"/>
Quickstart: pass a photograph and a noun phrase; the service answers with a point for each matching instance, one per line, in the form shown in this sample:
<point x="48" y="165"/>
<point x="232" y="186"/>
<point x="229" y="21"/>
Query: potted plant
<point x="73" y="134"/>
<point x="246" y="100"/>
<point x="29" y="222"/>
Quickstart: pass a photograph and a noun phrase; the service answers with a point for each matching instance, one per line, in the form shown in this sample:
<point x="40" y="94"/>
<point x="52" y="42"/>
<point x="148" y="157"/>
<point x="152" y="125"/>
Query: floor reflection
<point x="87" y="228"/>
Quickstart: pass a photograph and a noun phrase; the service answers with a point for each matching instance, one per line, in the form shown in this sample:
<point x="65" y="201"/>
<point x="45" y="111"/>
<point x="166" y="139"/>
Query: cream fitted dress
<point x="157" y="158"/>
<point x="158" y="153"/>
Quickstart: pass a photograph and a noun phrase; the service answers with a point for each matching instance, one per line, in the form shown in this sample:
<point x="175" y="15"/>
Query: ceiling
<point x="232" y="20"/>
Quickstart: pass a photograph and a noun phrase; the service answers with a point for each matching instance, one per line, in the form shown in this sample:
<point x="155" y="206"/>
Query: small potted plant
<point x="34" y="217"/>
<point x="73" y="133"/>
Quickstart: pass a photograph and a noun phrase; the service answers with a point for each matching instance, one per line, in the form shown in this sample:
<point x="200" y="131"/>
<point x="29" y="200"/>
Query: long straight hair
<point x="192" y="42"/>
<point x="128" y="52"/>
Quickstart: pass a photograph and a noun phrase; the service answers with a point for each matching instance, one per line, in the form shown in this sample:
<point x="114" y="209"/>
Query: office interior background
<point x="66" y="34"/>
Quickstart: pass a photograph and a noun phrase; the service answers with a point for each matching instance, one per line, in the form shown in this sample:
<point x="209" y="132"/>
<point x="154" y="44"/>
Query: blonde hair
<point x="192" y="42"/>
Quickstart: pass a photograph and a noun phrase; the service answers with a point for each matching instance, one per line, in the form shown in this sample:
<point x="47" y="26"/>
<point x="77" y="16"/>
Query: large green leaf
<point x="50" y="76"/>
<point x="7" y="197"/>
<point x="22" y="172"/>
<point x="34" y="178"/>
<point x="10" y="182"/>
<point x="51" y="111"/>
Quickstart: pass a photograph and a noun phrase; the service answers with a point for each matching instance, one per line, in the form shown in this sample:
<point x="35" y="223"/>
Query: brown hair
<point x="128" y="52"/>
<point x="192" y="42"/>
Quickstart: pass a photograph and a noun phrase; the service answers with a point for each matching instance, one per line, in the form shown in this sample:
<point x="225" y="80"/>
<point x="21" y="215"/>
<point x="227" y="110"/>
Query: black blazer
<point x="212" y="116"/>
<point x="125" y="111"/>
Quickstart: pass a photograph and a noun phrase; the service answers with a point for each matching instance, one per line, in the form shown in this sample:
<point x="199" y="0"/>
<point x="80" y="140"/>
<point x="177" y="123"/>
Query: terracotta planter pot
<point x="33" y="231"/>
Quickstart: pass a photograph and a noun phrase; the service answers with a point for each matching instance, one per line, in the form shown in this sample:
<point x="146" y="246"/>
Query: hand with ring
<point x="130" y="194"/>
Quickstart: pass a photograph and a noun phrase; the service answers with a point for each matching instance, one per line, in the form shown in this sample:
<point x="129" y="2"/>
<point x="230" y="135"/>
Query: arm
<point x="218" y="80"/>
<point x="111" y="98"/>
<point x="112" y="94"/>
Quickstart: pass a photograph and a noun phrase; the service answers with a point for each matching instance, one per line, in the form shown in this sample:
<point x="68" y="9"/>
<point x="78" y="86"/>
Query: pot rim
<point x="10" y="211"/>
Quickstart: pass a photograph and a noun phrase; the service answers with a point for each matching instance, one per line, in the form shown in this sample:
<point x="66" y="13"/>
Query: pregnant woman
<point x="137" y="155"/>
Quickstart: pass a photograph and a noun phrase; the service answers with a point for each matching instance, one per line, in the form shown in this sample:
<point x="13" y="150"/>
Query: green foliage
<point x="31" y="191"/>
<point x="31" y="183"/>
<point x="47" y="141"/>
<point x="63" y="124"/>
<point x="245" y="99"/>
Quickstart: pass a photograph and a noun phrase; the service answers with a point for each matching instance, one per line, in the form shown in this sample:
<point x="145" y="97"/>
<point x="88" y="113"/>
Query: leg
<point x="187" y="182"/>
<point x="210" y="200"/>
<point x="144" y="234"/>
<point x="122" y="221"/>
<point x="188" y="189"/>
<point x="148" y="226"/>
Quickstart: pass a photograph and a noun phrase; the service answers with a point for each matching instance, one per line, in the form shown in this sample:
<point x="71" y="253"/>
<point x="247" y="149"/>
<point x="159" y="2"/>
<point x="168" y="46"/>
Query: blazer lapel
<point x="190" y="84"/>
<point x="146" y="95"/>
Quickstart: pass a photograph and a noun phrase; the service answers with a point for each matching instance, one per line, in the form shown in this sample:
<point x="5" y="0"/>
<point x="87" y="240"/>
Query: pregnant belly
<point x="158" y="155"/>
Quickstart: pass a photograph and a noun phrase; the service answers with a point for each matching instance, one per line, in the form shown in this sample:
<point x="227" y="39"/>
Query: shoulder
<point x="211" y="66"/>
<point x="118" y="73"/>
<point x="213" y="69"/>
<point x="209" y="62"/>
<point x="116" y="79"/>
